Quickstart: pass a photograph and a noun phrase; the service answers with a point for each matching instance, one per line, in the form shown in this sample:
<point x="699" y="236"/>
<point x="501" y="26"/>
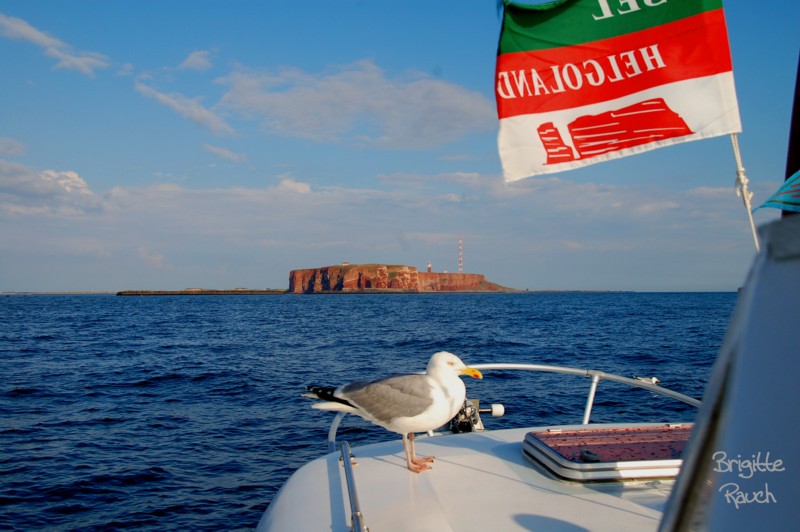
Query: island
<point x="373" y="278"/>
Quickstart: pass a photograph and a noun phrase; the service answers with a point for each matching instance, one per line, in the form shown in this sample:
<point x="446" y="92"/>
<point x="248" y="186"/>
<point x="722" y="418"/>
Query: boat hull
<point x="479" y="481"/>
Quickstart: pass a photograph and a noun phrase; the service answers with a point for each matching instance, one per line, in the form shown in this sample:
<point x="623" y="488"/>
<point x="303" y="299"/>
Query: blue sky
<point x="164" y="145"/>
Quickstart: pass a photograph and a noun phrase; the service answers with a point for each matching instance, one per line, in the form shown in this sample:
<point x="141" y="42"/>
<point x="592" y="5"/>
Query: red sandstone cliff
<point x="385" y="277"/>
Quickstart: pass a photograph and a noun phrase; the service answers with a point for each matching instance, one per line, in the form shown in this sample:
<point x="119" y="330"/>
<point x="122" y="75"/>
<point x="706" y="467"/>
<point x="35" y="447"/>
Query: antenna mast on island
<point x="460" y="255"/>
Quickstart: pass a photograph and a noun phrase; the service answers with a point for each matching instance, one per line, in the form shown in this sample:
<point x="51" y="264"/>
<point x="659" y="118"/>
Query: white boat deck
<point x="479" y="481"/>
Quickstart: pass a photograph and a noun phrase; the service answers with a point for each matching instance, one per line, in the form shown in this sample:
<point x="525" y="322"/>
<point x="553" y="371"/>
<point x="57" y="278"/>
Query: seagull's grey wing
<point x="385" y="399"/>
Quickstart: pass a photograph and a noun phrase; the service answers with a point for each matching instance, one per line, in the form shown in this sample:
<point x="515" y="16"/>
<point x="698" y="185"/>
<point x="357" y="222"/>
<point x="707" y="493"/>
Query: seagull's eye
<point x="451" y="363"/>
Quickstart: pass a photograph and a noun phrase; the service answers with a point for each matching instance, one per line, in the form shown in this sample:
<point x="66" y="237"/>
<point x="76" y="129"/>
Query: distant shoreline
<point x="204" y="292"/>
<point x="66" y="293"/>
<point x="275" y="291"/>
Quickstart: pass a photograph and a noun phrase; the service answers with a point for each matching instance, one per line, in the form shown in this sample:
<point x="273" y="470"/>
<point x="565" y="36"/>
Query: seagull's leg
<point x="419" y="460"/>
<point x="414" y="464"/>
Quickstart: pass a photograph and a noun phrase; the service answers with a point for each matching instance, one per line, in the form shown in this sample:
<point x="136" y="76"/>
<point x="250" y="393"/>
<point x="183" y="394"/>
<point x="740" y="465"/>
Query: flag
<point x="584" y="81"/>
<point x="787" y="197"/>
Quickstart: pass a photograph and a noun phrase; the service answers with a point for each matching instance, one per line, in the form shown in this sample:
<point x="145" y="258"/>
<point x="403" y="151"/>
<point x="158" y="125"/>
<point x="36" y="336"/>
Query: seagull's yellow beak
<point x="472" y="372"/>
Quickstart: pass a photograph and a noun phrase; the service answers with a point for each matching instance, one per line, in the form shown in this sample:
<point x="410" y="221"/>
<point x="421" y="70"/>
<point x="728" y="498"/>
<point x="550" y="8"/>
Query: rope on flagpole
<point x="741" y="188"/>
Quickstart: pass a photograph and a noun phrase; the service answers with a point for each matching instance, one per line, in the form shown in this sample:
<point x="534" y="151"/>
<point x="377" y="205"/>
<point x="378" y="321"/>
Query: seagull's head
<point x="448" y="362"/>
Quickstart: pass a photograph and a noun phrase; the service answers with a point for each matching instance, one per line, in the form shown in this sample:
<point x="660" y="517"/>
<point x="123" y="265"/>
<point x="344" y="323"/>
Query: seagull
<point x="650" y="380"/>
<point x="404" y="404"/>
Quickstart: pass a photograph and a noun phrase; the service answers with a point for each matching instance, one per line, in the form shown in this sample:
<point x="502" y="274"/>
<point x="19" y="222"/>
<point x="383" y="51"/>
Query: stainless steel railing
<point x="595" y="375"/>
<point x="356" y="517"/>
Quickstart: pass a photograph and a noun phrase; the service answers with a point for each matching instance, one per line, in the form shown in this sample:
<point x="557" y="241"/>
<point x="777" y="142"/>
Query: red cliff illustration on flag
<point x="585" y="81"/>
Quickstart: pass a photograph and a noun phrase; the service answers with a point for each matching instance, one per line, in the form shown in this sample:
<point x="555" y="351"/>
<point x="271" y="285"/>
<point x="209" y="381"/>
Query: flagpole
<point x="742" y="190"/>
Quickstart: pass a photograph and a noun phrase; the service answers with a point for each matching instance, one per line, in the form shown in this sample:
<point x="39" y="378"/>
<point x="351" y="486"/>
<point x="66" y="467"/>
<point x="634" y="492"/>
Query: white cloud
<point x="84" y="62"/>
<point x="294" y="186"/>
<point x="187" y="108"/>
<point x="23" y="190"/>
<point x="16" y="28"/>
<point x="198" y="60"/>
<point x="359" y="104"/>
<point x="225" y="153"/>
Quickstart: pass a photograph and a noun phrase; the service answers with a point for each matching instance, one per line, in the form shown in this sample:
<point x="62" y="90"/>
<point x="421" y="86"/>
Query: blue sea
<point x="184" y="412"/>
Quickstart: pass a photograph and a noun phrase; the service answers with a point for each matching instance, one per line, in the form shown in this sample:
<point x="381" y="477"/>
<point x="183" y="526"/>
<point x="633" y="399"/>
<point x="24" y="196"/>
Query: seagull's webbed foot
<point x="415" y="463"/>
<point x="418" y="466"/>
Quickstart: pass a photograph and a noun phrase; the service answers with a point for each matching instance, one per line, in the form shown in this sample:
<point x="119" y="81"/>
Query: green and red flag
<point x="584" y="81"/>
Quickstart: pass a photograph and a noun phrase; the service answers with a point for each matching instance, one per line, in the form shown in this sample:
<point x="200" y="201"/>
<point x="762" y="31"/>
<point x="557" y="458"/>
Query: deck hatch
<point x="619" y="453"/>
